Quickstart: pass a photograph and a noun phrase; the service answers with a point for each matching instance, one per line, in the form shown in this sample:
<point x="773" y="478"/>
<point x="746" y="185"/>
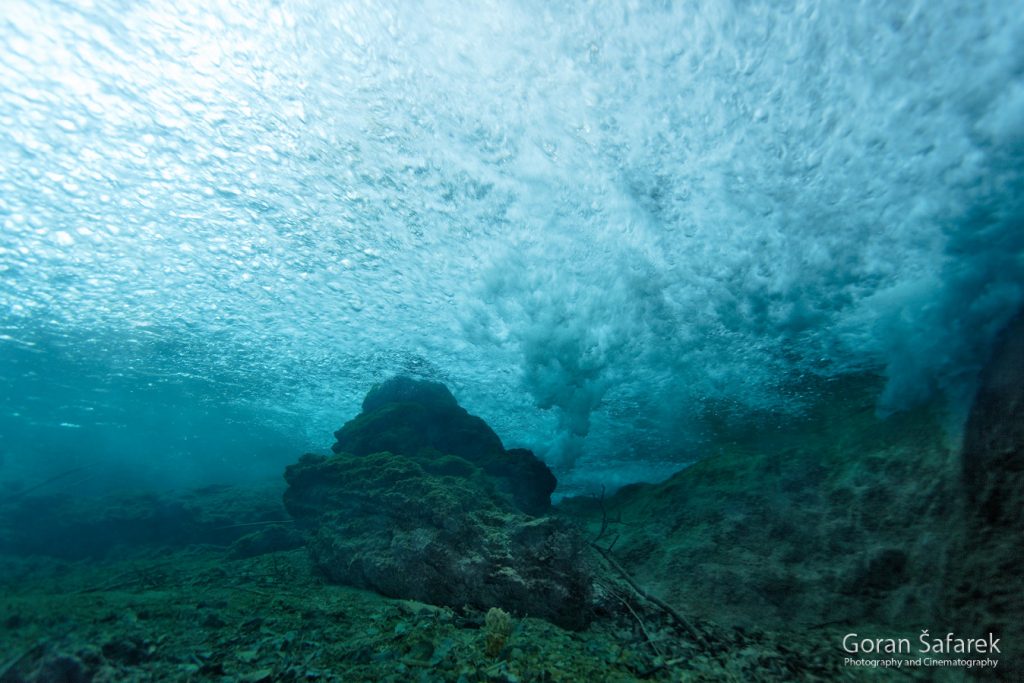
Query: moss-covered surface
<point x="422" y="419"/>
<point x="785" y="538"/>
<point x="403" y="488"/>
<point x="192" y="615"/>
<point x="836" y="520"/>
<point x="836" y="517"/>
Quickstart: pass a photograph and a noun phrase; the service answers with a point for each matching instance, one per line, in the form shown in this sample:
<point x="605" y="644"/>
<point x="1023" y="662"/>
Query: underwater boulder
<point x="417" y="417"/>
<point x="400" y="526"/>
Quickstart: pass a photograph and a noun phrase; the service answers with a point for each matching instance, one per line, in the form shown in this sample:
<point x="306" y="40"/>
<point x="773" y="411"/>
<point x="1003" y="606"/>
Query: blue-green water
<point x="596" y="222"/>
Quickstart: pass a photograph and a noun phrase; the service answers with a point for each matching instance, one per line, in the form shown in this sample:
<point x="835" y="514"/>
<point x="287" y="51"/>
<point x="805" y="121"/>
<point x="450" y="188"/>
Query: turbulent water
<point x="222" y="222"/>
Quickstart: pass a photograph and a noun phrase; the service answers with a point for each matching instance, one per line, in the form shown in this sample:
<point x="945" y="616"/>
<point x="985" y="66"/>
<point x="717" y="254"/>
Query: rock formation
<point x="414" y="417"/>
<point x="421" y="501"/>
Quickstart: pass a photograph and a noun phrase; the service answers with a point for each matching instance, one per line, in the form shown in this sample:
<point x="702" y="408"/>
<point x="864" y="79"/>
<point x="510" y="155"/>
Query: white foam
<point x="616" y="214"/>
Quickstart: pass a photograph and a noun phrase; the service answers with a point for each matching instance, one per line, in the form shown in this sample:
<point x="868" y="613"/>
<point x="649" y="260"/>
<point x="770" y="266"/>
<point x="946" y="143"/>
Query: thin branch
<point x="15" y="497"/>
<point x="7" y="668"/>
<point x="643" y="627"/>
<point x="662" y="665"/>
<point x="652" y="598"/>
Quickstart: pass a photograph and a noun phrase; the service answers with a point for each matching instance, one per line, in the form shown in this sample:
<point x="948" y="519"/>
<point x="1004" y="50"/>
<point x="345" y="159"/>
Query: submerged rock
<point x="422" y="501"/>
<point x="403" y="527"/>
<point x="415" y="417"/>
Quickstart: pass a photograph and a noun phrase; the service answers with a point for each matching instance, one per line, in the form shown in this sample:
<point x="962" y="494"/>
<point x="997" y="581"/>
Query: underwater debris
<point x="274" y="538"/>
<point x="653" y="599"/>
<point x="17" y="495"/>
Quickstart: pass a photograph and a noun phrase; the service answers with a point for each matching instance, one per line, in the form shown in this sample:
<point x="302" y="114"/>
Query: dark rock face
<point x="989" y="589"/>
<point x="994" y="436"/>
<point x="886" y="571"/>
<point x="439" y="530"/>
<point x="413" y="417"/>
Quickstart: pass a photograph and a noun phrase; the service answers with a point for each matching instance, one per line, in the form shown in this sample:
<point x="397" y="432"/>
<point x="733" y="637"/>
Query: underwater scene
<point x="511" y="341"/>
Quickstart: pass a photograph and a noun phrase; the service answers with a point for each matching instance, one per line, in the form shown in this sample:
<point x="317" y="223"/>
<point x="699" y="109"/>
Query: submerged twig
<point x="15" y="497"/>
<point x="668" y="663"/>
<point x="253" y="590"/>
<point x="131" y="577"/>
<point x="643" y="626"/>
<point x="7" y="667"/>
<point x="652" y="598"/>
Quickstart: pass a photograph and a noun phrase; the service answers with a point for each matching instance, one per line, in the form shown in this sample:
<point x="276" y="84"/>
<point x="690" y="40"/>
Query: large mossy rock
<point x="436" y="529"/>
<point x="420" y="418"/>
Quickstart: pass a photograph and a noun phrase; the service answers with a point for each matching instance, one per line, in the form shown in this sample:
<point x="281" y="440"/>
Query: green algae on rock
<point x="412" y="417"/>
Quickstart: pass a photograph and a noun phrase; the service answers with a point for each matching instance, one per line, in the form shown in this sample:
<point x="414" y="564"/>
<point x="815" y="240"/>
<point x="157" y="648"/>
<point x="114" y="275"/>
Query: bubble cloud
<point x="592" y="222"/>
